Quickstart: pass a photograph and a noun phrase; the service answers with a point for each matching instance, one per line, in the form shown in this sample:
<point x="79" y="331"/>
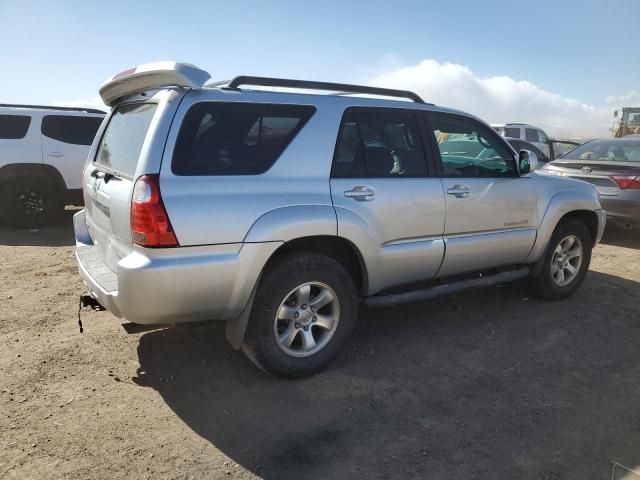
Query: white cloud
<point x="630" y="99"/>
<point x="498" y="99"/>
<point x="94" y="102"/>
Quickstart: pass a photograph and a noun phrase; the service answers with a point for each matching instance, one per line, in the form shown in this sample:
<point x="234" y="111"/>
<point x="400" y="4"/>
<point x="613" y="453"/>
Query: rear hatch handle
<point x="106" y="176"/>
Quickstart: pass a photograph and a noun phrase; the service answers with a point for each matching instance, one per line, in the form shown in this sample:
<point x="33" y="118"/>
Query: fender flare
<point x="561" y="204"/>
<point x="288" y="223"/>
<point x="279" y="226"/>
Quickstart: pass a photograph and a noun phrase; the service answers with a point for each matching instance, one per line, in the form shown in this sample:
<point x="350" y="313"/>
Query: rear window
<point x="235" y="138"/>
<point x="124" y="136"/>
<point x="606" y="151"/>
<point x="379" y="144"/>
<point x="14" y="126"/>
<point x="67" y="129"/>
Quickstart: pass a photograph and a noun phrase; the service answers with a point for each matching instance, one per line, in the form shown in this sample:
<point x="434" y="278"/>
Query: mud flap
<point x="236" y="328"/>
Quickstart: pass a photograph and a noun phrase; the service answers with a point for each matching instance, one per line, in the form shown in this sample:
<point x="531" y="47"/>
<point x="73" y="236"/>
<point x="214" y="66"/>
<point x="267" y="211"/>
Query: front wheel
<point x="566" y="262"/>
<point x="304" y="311"/>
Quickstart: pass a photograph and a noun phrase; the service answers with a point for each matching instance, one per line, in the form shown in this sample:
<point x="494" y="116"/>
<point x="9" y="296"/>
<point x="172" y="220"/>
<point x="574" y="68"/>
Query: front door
<point x="385" y="201"/>
<point x="491" y="211"/>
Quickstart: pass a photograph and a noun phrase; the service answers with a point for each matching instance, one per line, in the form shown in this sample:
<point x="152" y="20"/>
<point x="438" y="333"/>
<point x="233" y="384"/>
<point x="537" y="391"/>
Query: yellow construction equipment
<point x="628" y="123"/>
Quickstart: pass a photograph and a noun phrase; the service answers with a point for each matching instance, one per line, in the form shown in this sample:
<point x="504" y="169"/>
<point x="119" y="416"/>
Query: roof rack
<point x="49" y="107"/>
<point x="340" y="88"/>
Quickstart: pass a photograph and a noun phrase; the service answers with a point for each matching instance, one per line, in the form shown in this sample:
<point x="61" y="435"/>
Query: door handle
<point x="56" y="154"/>
<point x="361" y="193"/>
<point x="459" y="191"/>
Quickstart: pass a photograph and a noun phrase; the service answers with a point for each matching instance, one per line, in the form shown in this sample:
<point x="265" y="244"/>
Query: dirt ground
<point x="486" y="384"/>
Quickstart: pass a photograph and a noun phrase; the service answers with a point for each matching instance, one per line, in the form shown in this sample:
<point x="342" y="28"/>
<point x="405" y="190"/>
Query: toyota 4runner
<point x="281" y="211"/>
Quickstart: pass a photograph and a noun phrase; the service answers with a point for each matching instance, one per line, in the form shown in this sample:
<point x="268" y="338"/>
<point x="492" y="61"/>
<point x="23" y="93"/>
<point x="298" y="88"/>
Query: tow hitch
<point x="87" y="300"/>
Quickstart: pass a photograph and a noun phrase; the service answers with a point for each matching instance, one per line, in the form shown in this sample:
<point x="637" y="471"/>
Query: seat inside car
<point x="379" y="161"/>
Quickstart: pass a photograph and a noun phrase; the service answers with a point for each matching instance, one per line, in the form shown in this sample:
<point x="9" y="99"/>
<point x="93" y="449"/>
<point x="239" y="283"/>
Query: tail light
<point x="150" y="225"/>
<point x="627" y="181"/>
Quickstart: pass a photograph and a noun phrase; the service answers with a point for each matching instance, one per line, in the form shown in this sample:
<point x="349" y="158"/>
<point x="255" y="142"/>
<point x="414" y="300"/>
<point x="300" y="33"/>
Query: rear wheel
<point x="30" y="201"/>
<point x="303" y="313"/>
<point x="565" y="263"/>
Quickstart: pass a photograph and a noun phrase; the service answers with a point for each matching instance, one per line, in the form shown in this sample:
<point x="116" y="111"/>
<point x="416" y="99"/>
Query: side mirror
<point x="615" y="114"/>
<point x="527" y="161"/>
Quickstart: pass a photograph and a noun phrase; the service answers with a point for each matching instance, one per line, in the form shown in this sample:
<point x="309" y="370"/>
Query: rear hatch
<point x="606" y="176"/>
<point x="109" y="179"/>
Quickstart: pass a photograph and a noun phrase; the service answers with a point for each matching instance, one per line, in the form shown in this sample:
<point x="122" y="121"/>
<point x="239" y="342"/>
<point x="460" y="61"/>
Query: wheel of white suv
<point x="30" y="201"/>
<point x="566" y="261"/>
<point x="304" y="311"/>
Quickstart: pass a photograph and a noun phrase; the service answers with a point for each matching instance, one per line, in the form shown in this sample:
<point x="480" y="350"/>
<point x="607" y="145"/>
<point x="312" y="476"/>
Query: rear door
<point x="66" y="140"/>
<point x="110" y="176"/>
<point x="380" y="176"/>
<point x="491" y="212"/>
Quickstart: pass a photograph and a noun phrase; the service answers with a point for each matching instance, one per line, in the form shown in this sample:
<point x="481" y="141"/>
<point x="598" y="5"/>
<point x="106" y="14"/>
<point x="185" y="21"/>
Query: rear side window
<point x="531" y="135"/>
<point x="235" y="138"/>
<point x="122" y="141"/>
<point x="512" y="132"/>
<point x="67" y="129"/>
<point x="379" y="144"/>
<point x="14" y="126"/>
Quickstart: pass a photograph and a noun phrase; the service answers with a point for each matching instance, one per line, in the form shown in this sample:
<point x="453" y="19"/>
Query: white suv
<point x="42" y="151"/>
<point x="523" y="131"/>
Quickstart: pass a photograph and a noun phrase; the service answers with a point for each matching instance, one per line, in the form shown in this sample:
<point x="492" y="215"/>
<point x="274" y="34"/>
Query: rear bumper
<point x="623" y="208"/>
<point x="165" y="286"/>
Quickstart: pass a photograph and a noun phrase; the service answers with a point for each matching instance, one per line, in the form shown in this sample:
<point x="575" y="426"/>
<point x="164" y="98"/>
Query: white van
<point x="42" y="153"/>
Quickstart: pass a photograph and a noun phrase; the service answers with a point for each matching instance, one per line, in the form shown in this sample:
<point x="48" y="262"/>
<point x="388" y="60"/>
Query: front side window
<point x="14" y="127"/>
<point x="469" y="149"/>
<point x="75" y="130"/>
<point x="122" y="141"/>
<point x="235" y="138"/>
<point x="379" y="144"/>
<point x="543" y="136"/>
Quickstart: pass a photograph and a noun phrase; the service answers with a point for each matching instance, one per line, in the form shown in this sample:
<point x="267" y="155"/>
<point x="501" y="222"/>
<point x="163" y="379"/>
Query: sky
<point x="564" y="65"/>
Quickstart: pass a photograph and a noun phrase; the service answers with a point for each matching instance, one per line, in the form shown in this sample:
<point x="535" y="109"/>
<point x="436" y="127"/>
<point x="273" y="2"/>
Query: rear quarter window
<point x="235" y="138"/>
<point x="14" y="127"/>
<point x="122" y="140"/>
<point x="74" y="130"/>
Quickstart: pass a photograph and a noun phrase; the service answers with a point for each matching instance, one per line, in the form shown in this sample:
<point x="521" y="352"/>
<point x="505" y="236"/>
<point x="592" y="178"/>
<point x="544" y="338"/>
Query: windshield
<point x="607" y="151"/>
<point x="124" y="136"/>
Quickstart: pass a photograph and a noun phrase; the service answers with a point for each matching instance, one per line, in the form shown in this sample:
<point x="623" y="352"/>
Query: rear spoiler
<point x="150" y="76"/>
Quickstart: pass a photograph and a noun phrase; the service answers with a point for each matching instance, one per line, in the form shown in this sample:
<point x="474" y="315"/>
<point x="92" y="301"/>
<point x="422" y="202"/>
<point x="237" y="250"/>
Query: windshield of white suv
<point x="607" y="150"/>
<point x="124" y="136"/>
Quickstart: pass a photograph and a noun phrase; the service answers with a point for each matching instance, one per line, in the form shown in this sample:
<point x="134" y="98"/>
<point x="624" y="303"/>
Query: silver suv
<point x="279" y="212"/>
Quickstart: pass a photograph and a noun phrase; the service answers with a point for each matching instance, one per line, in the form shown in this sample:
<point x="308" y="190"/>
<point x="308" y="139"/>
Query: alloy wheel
<point x="307" y="319"/>
<point x="566" y="260"/>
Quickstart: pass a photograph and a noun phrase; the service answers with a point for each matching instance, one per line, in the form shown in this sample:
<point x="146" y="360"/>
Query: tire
<point x="547" y="284"/>
<point x="281" y="294"/>
<point x="30" y="201"/>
